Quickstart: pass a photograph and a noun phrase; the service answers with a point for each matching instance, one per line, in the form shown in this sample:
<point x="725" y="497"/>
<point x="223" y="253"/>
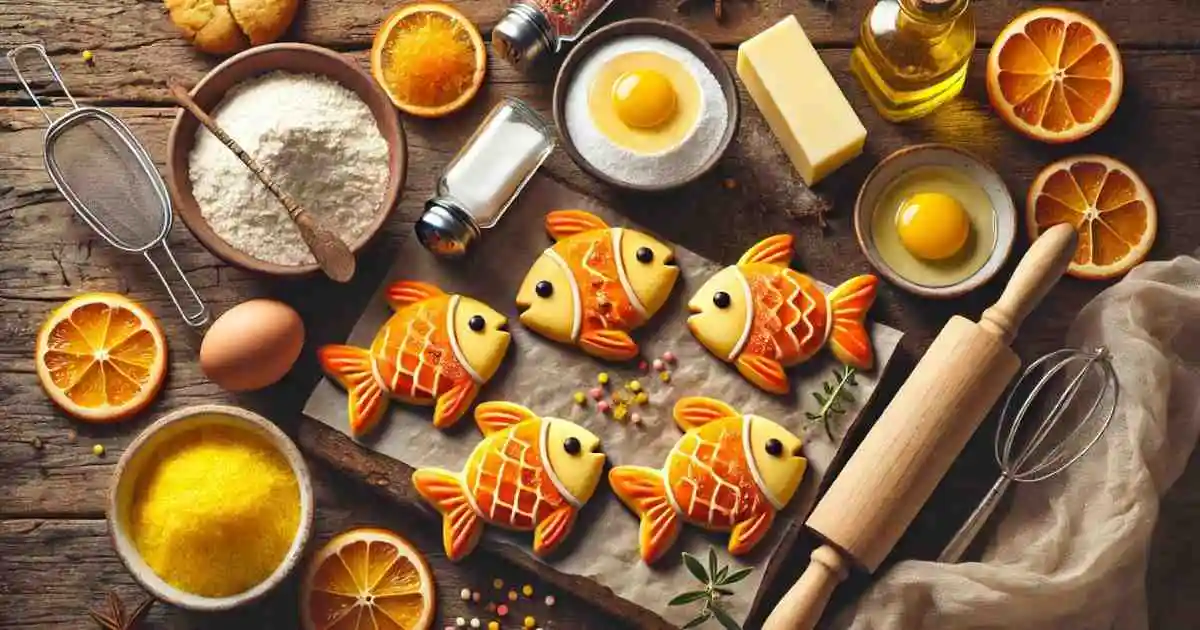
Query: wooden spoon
<point x="332" y="255"/>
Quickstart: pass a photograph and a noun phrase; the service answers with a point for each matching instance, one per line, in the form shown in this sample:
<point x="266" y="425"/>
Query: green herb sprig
<point x="833" y="396"/>
<point x="716" y="580"/>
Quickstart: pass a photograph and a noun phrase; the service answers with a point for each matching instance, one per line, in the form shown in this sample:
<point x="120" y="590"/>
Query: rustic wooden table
<point x="55" y="557"/>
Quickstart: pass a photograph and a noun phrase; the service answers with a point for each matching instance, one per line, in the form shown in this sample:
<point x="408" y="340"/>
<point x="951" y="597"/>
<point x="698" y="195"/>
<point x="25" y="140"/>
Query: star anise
<point x="113" y="616"/>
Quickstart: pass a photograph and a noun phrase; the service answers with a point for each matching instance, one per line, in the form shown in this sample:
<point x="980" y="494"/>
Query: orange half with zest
<point x="101" y="357"/>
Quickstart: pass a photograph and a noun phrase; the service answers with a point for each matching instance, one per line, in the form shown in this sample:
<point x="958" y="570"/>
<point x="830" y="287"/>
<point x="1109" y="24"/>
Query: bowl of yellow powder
<point x="211" y="507"/>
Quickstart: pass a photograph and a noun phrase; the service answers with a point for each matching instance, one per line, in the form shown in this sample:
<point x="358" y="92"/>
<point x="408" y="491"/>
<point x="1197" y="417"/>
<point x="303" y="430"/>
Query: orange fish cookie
<point x="437" y="349"/>
<point x="528" y="473"/>
<point x="596" y="284"/>
<point x="729" y="472"/>
<point x="764" y="316"/>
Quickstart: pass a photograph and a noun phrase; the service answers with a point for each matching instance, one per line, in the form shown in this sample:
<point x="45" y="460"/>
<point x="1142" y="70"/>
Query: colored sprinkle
<point x="512" y="596"/>
<point x="474" y="622"/>
<point x="527" y="590"/>
<point x="580" y="399"/>
<point x="596" y="393"/>
<point x="498" y="583"/>
<point x="602" y="378"/>
<point x="475" y="596"/>
<point x="620" y="411"/>
<point x="530" y="622"/>
<point x="642" y="398"/>
<point x="669" y="356"/>
<point x="502" y="609"/>
<point x="633" y="386"/>
<point x="635" y="418"/>
<point x="460" y="622"/>
<point x="465" y="594"/>
<point x="449" y="627"/>
<point x="88" y="57"/>
<point x="643" y="366"/>
<point x="493" y="625"/>
<point x="550" y="600"/>
<point x="659" y="365"/>
<point x="491" y="607"/>
<point x="98" y="450"/>
<point x="665" y="376"/>
<point x="603" y="406"/>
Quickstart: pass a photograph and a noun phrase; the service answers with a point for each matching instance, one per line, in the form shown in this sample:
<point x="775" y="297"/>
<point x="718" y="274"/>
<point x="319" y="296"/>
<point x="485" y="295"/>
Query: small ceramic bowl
<point x="289" y="57"/>
<point x="906" y="159"/>
<point x="141" y="452"/>
<point x="669" y="32"/>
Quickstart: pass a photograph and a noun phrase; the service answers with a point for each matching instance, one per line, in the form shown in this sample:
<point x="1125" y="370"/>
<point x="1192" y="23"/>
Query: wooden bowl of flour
<point x="293" y="58"/>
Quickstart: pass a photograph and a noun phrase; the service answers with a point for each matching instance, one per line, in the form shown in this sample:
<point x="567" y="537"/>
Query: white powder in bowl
<point x="315" y="139"/>
<point x="666" y="168"/>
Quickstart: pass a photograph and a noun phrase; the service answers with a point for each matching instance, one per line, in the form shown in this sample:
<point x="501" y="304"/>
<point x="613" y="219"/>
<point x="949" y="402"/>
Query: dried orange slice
<point x="101" y="357"/>
<point x="1054" y="75"/>
<point x="367" y="579"/>
<point x="1109" y="205"/>
<point x="429" y="58"/>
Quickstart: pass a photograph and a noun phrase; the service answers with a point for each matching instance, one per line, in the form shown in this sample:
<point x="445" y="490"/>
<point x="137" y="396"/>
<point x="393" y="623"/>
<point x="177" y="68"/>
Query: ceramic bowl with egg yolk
<point x="969" y="220"/>
<point x="647" y="104"/>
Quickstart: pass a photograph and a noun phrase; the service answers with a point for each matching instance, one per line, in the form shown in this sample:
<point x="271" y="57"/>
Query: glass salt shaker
<point x="531" y="28"/>
<point x="484" y="178"/>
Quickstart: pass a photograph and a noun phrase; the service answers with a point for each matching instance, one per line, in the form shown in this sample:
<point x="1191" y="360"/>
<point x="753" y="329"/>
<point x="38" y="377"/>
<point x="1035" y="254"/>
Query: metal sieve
<point x="110" y="180"/>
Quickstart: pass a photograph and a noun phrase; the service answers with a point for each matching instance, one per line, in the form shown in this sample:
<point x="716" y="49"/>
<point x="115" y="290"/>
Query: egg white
<point x="671" y="164"/>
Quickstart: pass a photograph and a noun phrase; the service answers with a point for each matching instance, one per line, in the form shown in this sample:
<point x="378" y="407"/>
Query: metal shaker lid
<point x="522" y="35"/>
<point x="445" y="228"/>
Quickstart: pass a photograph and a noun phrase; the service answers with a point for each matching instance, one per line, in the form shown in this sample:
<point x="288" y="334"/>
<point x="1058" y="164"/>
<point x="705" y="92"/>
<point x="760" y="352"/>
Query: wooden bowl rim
<point x="1002" y="250"/>
<point x="183" y="132"/>
<point x="126" y="550"/>
<point x="675" y="34"/>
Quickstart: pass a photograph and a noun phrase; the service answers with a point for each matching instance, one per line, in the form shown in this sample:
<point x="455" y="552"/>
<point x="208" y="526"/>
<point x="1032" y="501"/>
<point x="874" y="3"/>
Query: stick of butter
<point x="802" y="103"/>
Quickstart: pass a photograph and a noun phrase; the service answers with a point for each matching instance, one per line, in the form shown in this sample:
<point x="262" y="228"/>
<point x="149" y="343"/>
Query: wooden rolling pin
<point x="911" y="446"/>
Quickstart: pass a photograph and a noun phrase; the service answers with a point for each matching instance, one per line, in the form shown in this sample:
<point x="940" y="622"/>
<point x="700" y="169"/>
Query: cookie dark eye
<point x="645" y="254"/>
<point x="572" y="446"/>
<point x="722" y="299"/>
<point x="544" y="289"/>
<point x="774" y="447"/>
<point x="477" y="323"/>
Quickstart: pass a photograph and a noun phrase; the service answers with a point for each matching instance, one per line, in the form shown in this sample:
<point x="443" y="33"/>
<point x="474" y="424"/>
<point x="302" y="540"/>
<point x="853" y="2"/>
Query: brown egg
<point x="252" y="345"/>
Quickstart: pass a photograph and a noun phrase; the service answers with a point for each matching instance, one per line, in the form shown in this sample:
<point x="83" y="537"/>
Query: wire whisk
<point x="1074" y="394"/>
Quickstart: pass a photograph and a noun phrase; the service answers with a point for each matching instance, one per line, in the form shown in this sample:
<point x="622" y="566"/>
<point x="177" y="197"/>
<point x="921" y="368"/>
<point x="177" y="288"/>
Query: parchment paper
<point x="543" y="375"/>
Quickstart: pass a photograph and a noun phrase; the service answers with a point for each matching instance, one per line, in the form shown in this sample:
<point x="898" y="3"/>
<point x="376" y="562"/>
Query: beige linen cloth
<point x="1070" y="552"/>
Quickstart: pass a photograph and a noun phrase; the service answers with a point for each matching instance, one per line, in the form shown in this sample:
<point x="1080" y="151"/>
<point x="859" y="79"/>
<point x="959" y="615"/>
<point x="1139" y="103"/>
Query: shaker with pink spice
<point x="531" y="29"/>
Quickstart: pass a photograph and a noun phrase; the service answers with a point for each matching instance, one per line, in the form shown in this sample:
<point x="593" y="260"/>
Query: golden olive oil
<point x="912" y="55"/>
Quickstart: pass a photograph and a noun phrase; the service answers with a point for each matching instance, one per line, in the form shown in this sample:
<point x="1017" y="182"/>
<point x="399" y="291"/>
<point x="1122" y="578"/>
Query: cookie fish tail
<point x="461" y="526"/>
<point x="644" y="490"/>
<point x="351" y="368"/>
<point x="848" y="338"/>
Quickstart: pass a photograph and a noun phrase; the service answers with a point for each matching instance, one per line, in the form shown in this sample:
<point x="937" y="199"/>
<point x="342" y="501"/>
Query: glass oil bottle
<point x="912" y="55"/>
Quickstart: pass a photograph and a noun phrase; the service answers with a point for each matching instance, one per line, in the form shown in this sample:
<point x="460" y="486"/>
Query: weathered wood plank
<point x="52" y="571"/>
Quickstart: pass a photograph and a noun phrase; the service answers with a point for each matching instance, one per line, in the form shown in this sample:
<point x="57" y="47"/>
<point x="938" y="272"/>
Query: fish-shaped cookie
<point x="764" y="316"/>
<point x="528" y="473"/>
<point x="436" y="349"/>
<point x="729" y="472"/>
<point x="595" y="284"/>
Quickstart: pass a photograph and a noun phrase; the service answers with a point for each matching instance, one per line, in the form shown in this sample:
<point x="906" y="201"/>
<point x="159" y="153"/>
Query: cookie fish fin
<point x="553" y="530"/>
<point x="563" y="223"/>
<point x="766" y="373"/>
<point x="697" y="411"/>
<point x="499" y="415"/>
<point x="748" y="533"/>
<point x="453" y="404"/>
<point x="644" y="490"/>
<point x="848" y="338"/>
<point x="461" y="527"/>
<point x="611" y="345"/>
<point x="351" y="368"/>
<point x="405" y="292"/>
<point x="774" y="250"/>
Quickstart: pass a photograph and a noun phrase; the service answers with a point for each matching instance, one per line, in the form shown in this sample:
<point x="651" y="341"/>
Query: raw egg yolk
<point x="932" y="226"/>
<point x="644" y="99"/>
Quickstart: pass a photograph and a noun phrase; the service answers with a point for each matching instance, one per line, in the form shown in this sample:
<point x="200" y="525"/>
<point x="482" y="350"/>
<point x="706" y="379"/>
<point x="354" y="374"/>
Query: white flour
<point x="316" y="139"/>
